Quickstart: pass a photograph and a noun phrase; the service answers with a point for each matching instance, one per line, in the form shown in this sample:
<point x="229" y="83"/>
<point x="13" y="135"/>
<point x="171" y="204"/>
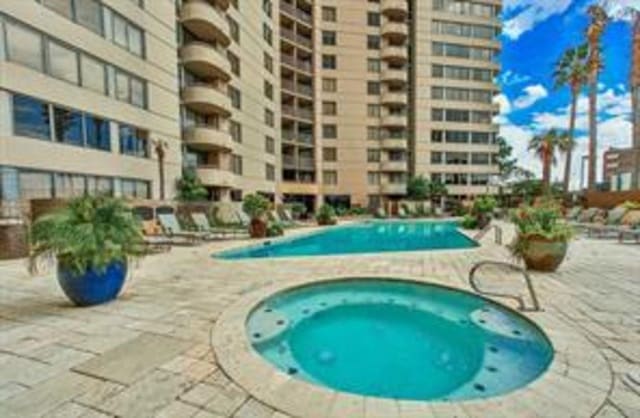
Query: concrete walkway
<point x="148" y="354"/>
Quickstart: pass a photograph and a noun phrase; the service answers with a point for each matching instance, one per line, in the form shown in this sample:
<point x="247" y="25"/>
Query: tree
<point x="599" y="20"/>
<point x="190" y="188"/>
<point x="506" y="162"/>
<point x="572" y="71"/>
<point x="418" y="188"/>
<point x="160" y="148"/>
<point x="437" y="191"/>
<point x="545" y="146"/>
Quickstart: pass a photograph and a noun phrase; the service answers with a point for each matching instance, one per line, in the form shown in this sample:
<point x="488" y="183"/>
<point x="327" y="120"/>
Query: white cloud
<point x="505" y="108"/>
<point x="620" y="9"/>
<point x="509" y="78"/>
<point x="532" y="94"/>
<point x="525" y="14"/>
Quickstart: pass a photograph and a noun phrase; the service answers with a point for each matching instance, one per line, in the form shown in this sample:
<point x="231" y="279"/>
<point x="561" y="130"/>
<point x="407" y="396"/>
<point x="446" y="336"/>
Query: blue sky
<point x="536" y="34"/>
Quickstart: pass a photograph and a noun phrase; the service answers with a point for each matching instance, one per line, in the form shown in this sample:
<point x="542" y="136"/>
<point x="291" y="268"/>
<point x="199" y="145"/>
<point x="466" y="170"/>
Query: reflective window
<point x="137" y="92"/>
<point x="24" y="46"/>
<point x="93" y="74"/>
<point x="120" y="31"/>
<point x="62" y="62"/>
<point x="100" y="186"/>
<point x="31" y="118"/>
<point x="134" y="141"/>
<point x="122" y="87"/>
<point x="135" y="40"/>
<point x="61" y="6"/>
<point x="97" y="133"/>
<point x="68" y="126"/>
<point x="89" y="15"/>
<point x="69" y="185"/>
<point x="35" y="185"/>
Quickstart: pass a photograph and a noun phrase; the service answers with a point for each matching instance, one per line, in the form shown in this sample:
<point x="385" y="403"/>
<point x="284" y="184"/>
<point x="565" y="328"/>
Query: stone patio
<point x="149" y="353"/>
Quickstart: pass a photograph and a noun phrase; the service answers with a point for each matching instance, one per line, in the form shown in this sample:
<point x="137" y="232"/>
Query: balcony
<point x="394" y="144"/>
<point x="205" y="21"/>
<point x="207" y="138"/>
<point x="207" y="99"/>
<point x="394" y="98"/>
<point x="394" y="166"/>
<point x="395" y="30"/>
<point x="297" y="39"/>
<point x="395" y="53"/>
<point x="392" y="75"/>
<point x="393" y="188"/>
<point x="296" y="13"/>
<point x="215" y="176"/>
<point x="292" y="162"/>
<point x="394" y="120"/>
<point x="299" y="113"/>
<point x="205" y="61"/>
<point x="395" y="8"/>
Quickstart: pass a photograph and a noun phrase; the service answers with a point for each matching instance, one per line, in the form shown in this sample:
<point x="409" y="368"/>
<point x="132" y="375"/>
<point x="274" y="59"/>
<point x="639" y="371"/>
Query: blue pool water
<point x="367" y="237"/>
<point x="398" y="339"/>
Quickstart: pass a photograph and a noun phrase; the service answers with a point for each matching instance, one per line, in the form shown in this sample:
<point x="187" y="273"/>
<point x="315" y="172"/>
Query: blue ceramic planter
<point x="93" y="287"/>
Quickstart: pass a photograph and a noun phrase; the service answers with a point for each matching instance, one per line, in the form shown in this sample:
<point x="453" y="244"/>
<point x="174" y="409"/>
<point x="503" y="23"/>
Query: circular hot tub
<point x="398" y="339"/>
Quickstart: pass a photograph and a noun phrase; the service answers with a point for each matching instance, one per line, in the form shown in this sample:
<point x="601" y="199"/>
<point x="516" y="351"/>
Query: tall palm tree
<point x="545" y="147"/>
<point x="572" y="71"/>
<point x="599" y="20"/>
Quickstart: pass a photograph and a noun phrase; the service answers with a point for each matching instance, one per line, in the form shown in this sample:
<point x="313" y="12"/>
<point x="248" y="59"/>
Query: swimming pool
<point x="398" y="339"/>
<point x="366" y="237"/>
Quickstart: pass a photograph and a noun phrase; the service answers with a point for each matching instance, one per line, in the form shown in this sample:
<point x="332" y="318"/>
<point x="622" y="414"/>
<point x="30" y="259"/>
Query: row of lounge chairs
<point x="602" y="224"/>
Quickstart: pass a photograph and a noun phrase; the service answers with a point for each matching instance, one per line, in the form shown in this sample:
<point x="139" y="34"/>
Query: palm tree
<point x="595" y="63"/>
<point x="545" y="147"/>
<point x="572" y="71"/>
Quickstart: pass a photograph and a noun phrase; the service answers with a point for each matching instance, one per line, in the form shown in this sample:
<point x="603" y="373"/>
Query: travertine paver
<point x="175" y="300"/>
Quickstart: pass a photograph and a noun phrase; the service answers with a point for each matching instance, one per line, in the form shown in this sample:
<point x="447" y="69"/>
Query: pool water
<point x="367" y="237"/>
<point x="398" y="339"/>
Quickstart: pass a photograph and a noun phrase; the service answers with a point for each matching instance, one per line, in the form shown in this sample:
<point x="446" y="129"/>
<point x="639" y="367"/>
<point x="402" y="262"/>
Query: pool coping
<point x="576" y="382"/>
<point x="303" y="233"/>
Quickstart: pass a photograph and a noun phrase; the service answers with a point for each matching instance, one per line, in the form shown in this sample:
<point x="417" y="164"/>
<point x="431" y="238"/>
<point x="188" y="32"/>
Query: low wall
<point x="609" y="200"/>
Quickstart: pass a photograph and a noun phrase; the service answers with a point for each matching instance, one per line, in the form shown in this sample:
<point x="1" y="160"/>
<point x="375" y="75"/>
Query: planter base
<point x="543" y="255"/>
<point x="93" y="287"/>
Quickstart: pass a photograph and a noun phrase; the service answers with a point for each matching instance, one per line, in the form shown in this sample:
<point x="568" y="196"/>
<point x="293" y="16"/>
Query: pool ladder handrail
<point x="522" y="306"/>
<point x="486" y="229"/>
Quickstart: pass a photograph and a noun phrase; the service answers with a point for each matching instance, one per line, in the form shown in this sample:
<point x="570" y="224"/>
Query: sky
<point x="536" y="33"/>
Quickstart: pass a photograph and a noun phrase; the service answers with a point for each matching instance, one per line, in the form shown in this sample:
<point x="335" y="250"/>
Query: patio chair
<point x="153" y="239"/>
<point x="172" y="228"/>
<point x="202" y="223"/>
<point x="585" y="218"/>
<point x="632" y="232"/>
<point x="611" y="225"/>
<point x="274" y="216"/>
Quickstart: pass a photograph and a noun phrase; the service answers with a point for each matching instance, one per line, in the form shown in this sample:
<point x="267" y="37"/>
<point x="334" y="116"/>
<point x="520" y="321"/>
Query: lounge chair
<point x="243" y="218"/>
<point x="172" y="228"/>
<point x="611" y="225"/>
<point x="585" y="218"/>
<point x="153" y="239"/>
<point x="201" y="222"/>
<point x="402" y="213"/>
<point x="381" y="213"/>
<point x="274" y="216"/>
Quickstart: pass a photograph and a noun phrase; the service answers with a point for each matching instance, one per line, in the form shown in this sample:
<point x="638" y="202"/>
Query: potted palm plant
<point x="326" y="215"/>
<point x="542" y="236"/>
<point x="482" y="210"/>
<point x="256" y="206"/>
<point x="92" y="239"/>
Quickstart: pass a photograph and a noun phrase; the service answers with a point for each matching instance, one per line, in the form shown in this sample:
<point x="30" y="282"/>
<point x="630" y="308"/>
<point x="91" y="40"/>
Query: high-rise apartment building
<point x="338" y="101"/>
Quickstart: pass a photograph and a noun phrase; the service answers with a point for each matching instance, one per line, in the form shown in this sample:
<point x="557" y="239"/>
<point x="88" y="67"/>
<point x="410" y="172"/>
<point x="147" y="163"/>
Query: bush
<point x="275" y="229"/>
<point x="255" y="205"/>
<point x="298" y="209"/>
<point x="484" y="205"/>
<point x="326" y="215"/>
<point x="629" y="205"/>
<point x="358" y="211"/>
<point x="469" y="222"/>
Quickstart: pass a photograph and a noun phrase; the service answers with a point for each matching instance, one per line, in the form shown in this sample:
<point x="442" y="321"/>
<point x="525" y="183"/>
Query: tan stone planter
<point x="542" y="254"/>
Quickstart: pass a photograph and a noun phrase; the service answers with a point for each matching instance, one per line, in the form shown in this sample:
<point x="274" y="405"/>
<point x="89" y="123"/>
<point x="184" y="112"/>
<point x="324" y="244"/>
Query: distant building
<point x="620" y="165"/>
<point x="635" y="89"/>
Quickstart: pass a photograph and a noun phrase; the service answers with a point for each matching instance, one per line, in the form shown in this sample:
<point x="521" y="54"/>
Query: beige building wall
<point x="158" y="121"/>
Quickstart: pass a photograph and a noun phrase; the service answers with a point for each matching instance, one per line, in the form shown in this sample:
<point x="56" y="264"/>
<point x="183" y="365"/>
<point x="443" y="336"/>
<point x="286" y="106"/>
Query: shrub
<point x="358" y="211"/>
<point x="469" y="222"/>
<point x="298" y="209"/>
<point x="484" y="205"/>
<point x="326" y="215"/>
<point x="275" y="229"/>
<point x="190" y="188"/>
<point x="255" y="205"/>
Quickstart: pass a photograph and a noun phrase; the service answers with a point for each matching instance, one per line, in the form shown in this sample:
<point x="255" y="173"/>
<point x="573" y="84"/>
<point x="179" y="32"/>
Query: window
<point x="135" y="189"/>
<point x="235" y="130"/>
<point x="68" y="126"/>
<point x="436" y="157"/>
<point x="24" y="46"/>
<point x="373" y="19"/>
<point x="69" y="185"/>
<point x="329" y="14"/>
<point x="373" y="88"/>
<point x="457" y="158"/>
<point x="330" y="177"/>
<point x="92" y="74"/>
<point x="373" y="133"/>
<point x="270" y="172"/>
<point x="35" y="185"/>
<point x="480" y="158"/>
<point x="270" y="145"/>
<point x="329" y="154"/>
<point x="268" y="63"/>
<point x="373" y="42"/>
<point x="329" y="108"/>
<point x="234" y="30"/>
<point x="373" y="110"/>
<point x="134" y="141"/>
<point x="267" y="7"/>
<point x="329" y="131"/>
<point x="373" y="155"/>
<point x="122" y="87"/>
<point x="138" y="92"/>
<point x="436" y="136"/>
<point x="267" y="34"/>
<point x="89" y="15"/>
<point x="60" y="6"/>
<point x="134" y="38"/>
<point x="374" y="65"/>
<point x="31" y="118"/>
<point x="123" y="33"/>
<point x="236" y="97"/>
<point x="269" y="118"/>
<point x="97" y="133"/>
<point x="236" y="164"/>
<point x="268" y="90"/>
<point x="234" y="62"/>
<point x="62" y="62"/>
<point x="119" y="30"/>
<point x="329" y="85"/>
<point x="328" y="37"/>
<point x="329" y="62"/>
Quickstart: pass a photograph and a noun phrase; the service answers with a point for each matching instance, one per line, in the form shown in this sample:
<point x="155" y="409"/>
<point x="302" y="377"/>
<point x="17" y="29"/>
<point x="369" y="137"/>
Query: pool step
<point x="267" y="324"/>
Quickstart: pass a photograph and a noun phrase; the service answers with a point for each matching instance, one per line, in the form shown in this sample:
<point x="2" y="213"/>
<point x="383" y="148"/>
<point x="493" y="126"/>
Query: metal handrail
<point x="486" y="229"/>
<point x="522" y="306"/>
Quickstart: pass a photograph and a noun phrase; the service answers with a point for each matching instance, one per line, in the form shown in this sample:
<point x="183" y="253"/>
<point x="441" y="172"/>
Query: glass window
<point x="24" y="46"/>
<point x="122" y="87"/>
<point x="138" y="96"/>
<point x="2" y="43"/>
<point x="120" y="31"/>
<point x="35" y="185"/>
<point x="135" y="40"/>
<point x="31" y="118"/>
<point x="93" y="74"/>
<point x="100" y="185"/>
<point x="68" y="126"/>
<point x="63" y="62"/>
<point x="60" y="6"/>
<point x="69" y="185"/>
<point x="89" y="14"/>
<point x="133" y="141"/>
<point x="98" y="134"/>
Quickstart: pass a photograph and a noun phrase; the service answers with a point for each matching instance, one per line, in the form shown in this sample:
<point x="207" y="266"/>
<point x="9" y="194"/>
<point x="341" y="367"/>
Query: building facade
<point x="635" y="98"/>
<point x="338" y="101"/>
